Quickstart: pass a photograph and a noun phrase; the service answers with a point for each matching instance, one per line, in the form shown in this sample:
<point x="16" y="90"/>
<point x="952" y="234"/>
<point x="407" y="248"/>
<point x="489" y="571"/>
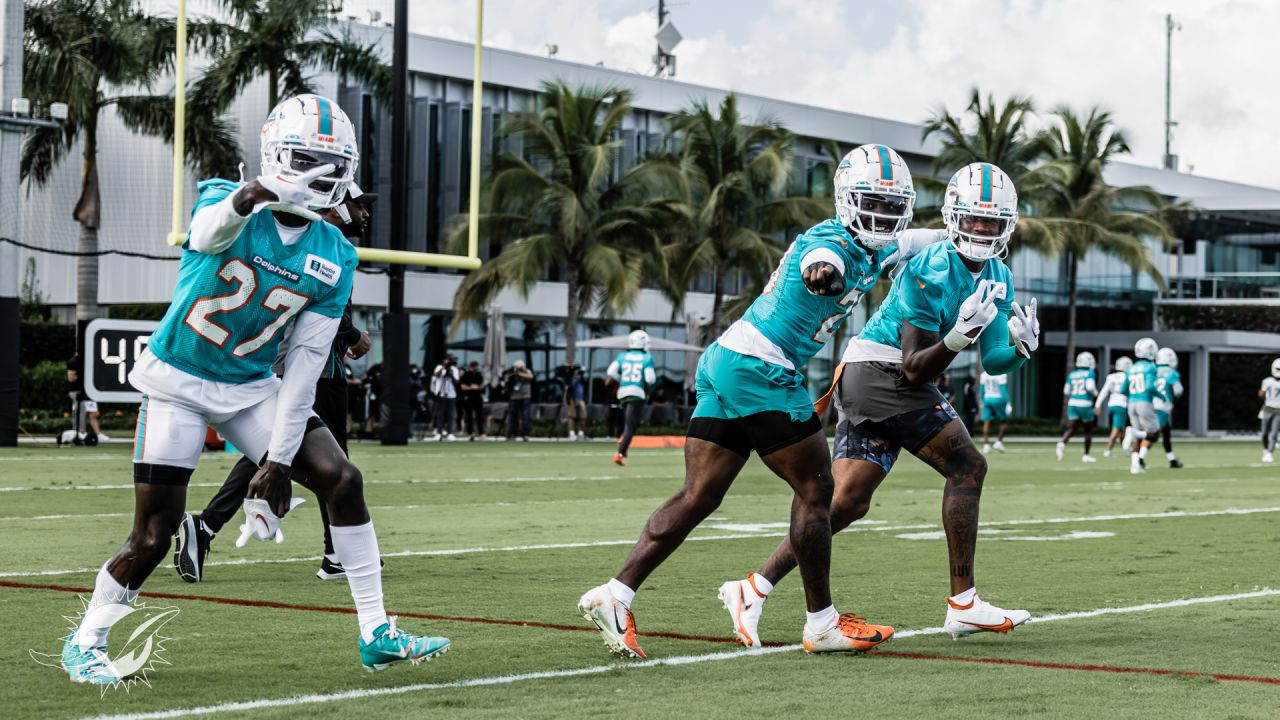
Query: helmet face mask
<point x="874" y="195"/>
<point x="305" y="132"/>
<point x="980" y="210"/>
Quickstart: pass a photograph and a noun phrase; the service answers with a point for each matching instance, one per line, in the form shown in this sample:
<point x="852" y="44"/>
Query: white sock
<point x="357" y="549"/>
<point x="965" y="597"/>
<point x="757" y="582"/>
<point x="1170" y="456"/>
<point x="621" y="593"/>
<point x="1061" y="444"/>
<point x="821" y="621"/>
<point x="101" y="615"/>
<point x="1143" y="452"/>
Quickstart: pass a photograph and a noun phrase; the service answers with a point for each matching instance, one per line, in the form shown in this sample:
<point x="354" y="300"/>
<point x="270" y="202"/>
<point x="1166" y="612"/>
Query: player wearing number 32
<point x="945" y="299"/>
<point x="752" y="397"/>
<point x="257" y="258"/>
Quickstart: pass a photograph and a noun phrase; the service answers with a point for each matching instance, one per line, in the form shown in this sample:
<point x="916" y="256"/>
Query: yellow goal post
<point x="470" y="261"/>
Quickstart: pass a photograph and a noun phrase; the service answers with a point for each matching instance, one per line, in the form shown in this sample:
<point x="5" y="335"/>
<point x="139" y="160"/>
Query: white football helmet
<point x="1086" y="360"/>
<point x="638" y="340"/>
<point x="1145" y="349"/>
<point x="1275" y="368"/>
<point x="304" y="132"/>
<point x="980" y="190"/>
<point x="874" y="195"/>
<point x="1123" y="364"/>
<point x="1166" y="356"/>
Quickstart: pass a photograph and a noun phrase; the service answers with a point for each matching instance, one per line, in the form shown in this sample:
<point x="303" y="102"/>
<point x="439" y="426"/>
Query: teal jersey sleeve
<point x="998" y="352"/>
<point x="342" y="270"/>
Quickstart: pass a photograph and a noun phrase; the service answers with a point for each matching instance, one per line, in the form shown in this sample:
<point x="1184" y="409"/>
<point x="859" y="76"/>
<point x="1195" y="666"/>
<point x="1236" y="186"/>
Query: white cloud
<point x="901" y="61"/>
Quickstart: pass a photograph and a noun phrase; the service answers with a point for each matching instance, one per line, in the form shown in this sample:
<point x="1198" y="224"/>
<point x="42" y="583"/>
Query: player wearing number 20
<point x="257" y="258"/>
<point x="752" y="396"/>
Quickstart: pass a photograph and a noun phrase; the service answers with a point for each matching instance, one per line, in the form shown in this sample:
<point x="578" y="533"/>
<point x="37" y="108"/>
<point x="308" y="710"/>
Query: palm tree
<point x="569" y="208"/>
<point x="283" y="39"/>
<point x="100" y="54"/>
<point x="1081" y="212"/>
<point x="737" y="175"/>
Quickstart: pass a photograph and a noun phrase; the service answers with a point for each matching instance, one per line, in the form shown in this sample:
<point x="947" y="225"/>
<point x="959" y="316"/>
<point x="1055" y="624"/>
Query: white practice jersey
<point x="993" y="387"/>
<point x="1112" y="390"/>
<point x="1271" y="390"/>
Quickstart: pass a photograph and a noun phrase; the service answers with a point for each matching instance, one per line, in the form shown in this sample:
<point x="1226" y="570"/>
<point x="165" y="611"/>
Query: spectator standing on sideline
<point x="970" y="392"/>
<point x="445" y="380"/>
<point x="575" y="403"/>
<point x="84" y="411"/>
<point x="373" y="398"/>
<point x="471" y="398"/>
<point x="518" y="382"/>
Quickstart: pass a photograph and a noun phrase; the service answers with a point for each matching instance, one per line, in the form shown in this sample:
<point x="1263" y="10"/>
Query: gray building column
<point x="12" y="19"/>
<point x="1198" y="411"/>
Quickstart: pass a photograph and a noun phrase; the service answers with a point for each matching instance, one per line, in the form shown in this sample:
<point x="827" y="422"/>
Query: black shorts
<point x="879" y="441"/>
<point x="765" y="432"/>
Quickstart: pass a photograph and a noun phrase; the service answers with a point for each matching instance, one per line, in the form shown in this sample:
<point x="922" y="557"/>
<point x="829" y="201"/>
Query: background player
<point x="1116" y="402"/>
<point x="1081" y="389"/>
<point x="1169" y="381"/>
<point x="995" y="406"/>
<point x="256" y="260"/>
<point x="943" y="299"/>
<point x="633" y="371"/>
<point x="1140" y="385"/>
<point x="196" y="532"/>
<point x="751" y="396"/>
<point x="1270" y="393"/>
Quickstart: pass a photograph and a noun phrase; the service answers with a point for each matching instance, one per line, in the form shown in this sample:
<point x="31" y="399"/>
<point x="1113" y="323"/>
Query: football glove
<point x="292" y="194"/>
<point x="260" y="523"/>
<point x="1024" y="328"/>
<point x="976" y="312"/>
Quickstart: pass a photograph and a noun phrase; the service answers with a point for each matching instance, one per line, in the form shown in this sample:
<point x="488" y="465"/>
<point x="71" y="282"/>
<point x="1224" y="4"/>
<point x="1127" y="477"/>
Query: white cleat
<point x="1268" y="457"/>
<point x="851" y="634"/>
<point x="981" y="616"/>
<point x="999" y="446"/>
<point x="1088" y="458"/>
<point x="1136" y="468"/>
<point x="745" y="605"/>
<point x="986" y="448"/>
<point x="614" y="620"/>
<point x="1060" y="451"/>
<point x="1106" y="453"/>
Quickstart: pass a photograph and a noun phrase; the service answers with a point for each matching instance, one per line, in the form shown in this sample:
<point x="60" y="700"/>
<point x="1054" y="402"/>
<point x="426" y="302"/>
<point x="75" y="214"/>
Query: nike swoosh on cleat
<point x="1003" y="627"/>
<point x="869" y="638"/>
<point x="621" y="630"/>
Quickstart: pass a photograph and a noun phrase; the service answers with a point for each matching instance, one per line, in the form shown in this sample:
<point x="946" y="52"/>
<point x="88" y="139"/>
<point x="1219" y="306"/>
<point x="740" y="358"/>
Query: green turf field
<point x="516" y="532"/>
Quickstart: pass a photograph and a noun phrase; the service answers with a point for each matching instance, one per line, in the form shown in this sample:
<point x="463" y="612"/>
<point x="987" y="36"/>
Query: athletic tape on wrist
<point x="956" y="340"/>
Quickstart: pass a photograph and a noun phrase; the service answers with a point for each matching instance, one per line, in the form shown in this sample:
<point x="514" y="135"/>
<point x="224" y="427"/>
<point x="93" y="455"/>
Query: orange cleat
<point x="619" y="459"/>
<point x="614" y="621"/>
<point x="852" y="633"/>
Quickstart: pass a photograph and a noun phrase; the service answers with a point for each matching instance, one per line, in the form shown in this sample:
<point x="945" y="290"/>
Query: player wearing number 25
<point x="257" y="259"/>
<point x="752" y="396"/>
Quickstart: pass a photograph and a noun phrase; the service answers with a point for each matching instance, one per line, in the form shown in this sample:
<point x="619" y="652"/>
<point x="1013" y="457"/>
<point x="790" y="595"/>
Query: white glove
<point x="260" y="523"/>
<point x="976" y="312"/>
<point x="1024" y="328"/>
<point x="292" y="194"/>
<point x="1008" y="408"/>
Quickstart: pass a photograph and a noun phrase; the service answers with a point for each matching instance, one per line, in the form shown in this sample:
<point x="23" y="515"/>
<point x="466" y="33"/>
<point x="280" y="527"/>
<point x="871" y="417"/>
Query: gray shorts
<point x="1142" y="416"/>
<point x="877" y="391"/>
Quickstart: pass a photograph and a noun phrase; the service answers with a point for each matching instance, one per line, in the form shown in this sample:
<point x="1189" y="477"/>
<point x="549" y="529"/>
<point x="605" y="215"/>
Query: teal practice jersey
<point x="1140" y="385"/>
<point x="928" y="293"/>
<point x="229" y="310"/>
<point x="635" y="372"/>
<point x="1082" y="386"/>
<point x="1169" y="384"/>
<point x="798" y="321"/>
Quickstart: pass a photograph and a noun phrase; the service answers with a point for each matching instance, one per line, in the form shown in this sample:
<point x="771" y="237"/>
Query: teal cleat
<point x="87" y="666"/>
<point x="391" y="645"/>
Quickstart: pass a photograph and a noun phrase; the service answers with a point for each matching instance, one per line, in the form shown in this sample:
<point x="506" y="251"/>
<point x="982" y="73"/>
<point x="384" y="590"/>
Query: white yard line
<point x="432" y="481"/>
<point x="601" y="669"/>
<point x="694" y="538"/>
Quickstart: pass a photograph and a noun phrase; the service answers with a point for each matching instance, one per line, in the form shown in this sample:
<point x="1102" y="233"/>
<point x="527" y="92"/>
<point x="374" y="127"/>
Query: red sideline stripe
<point x="670" y="635"/>
<point x="351" y="611"/>
<point x="1084" y="668"/>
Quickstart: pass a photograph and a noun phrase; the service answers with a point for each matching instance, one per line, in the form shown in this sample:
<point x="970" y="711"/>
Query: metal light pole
<point x="1170" y="160"/>
<point x="395" y="322"/>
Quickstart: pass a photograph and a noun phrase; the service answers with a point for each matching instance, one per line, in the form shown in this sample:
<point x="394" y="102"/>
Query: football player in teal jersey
<point x="633" y="370"/>
<point x="1141" y="387"/>
<point x="945" y="299"/>
<point x="1169" y="381"/>
<point x="751" y="396"/>
<point x="996" y="406"/>
<point x="1081" y="389"/>
<point x="257" y="259"/>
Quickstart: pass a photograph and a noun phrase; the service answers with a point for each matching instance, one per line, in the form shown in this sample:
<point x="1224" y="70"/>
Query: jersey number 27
<point x="282" y="300"/>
